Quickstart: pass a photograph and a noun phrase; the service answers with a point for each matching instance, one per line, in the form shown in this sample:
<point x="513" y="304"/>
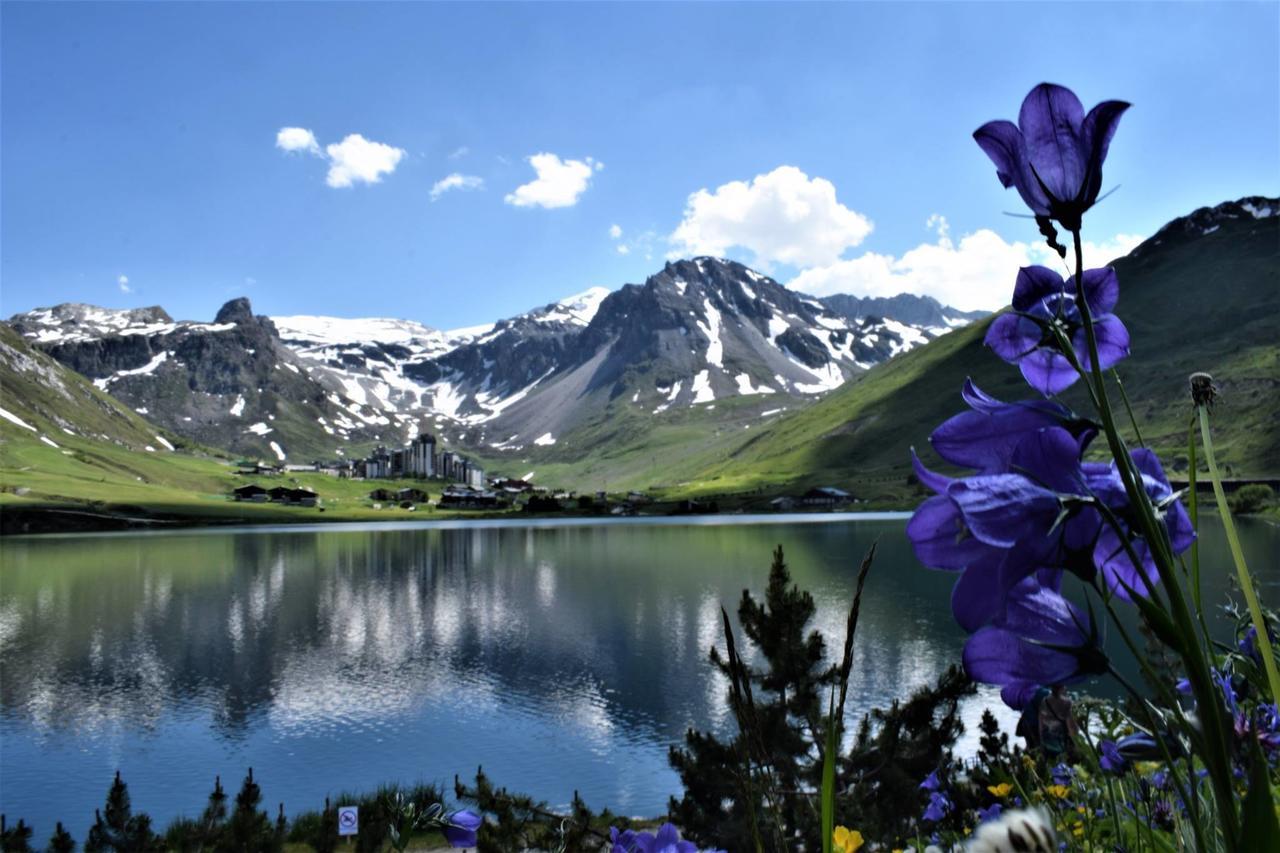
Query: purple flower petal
<point x="1045" y="616"/>
<point x="1048" y="372"/>
<point x="977" y="597"/>
<point x="1154" y="479"/>
<point x="1113" y="342"/>
<point x="1181" y="531"/>
<point x="1050" y="121"/>
<point x="939" y="537"/>
<point x="1118" y="570"/>
<point x="1016" y="694"/>
<point x="1002" y="142"/>
<point x="1051" y="457"/>
<point x="999" y="656"/>
<point x="1096" y="132"/>
<point x="1034" y="286"/>
<point x="1101" y="290"/>
<point x="977" y="399"/>
<point x="929" y="479"/>
<point x="1012" y="336"/>
<point x="1005" y="510"/>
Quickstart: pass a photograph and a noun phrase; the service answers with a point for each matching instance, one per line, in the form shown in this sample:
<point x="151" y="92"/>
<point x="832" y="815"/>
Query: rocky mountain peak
<point x="1206" y="220"/>
<point x="236" y="311"/>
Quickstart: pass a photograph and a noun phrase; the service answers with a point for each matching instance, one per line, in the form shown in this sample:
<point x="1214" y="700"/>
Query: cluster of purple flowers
<point x="1034" y="509"/>
<point x="666" y="840"/>
<point x="940" y="804"/>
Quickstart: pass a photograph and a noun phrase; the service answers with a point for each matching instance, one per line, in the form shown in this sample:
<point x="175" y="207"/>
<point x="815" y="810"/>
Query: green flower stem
<point x="1217" y="753"/>
<point x="1193" y="507"/>
<point x="1237" y="555"/>
<point x="1124" y="398"/>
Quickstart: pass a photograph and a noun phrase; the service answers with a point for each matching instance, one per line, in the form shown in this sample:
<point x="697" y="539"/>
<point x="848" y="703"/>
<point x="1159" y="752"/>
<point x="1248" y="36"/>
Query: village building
<point x="826" y="496"/>
<point x="467" y="497"/>
<point x="251" y="492"/>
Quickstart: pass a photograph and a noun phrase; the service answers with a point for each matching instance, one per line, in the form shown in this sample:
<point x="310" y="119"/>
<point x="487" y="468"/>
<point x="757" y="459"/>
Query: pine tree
<point x="760" y="789"/>
<point x="249" y="830"/>
<point x="16" y="838"/>
<point x="757" y="780"/>
<point x="61" y="840"/>
<point x="120" y="829"/>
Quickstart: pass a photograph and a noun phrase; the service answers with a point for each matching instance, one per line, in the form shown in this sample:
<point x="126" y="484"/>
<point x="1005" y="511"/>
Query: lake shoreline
<point x="70" y="521"/>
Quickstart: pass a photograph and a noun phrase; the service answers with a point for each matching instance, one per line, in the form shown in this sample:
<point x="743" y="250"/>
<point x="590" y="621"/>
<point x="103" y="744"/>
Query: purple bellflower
<point x="1111" y="759"/>
<point x="1110" y="554"/>
<point x="666" y="840"/>
<point x="1043" y="301"/>
<point x="1041" y="638"/>
<point x="462" y="827"/>
<point x="939" y="806"/>
<point x="1141" y="746"/>
<point x="1053" y="156"/>
<point x="999" y="529"/>
<point x="984" y="438"/>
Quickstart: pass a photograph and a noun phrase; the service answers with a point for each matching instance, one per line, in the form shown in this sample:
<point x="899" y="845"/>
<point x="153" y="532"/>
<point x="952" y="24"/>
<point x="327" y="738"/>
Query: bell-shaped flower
<point x="1053" y="156"/>
<point x="985" y="437"/>
<point x="1112" y="551"/>
<point x="1110" y="758"/>
<point x="938" y="808"/>
<point x="1001" y="528"/>
<point x="1045" y="314"/>
<point x="1041" y="638"/>
<point x="460" y="831"/>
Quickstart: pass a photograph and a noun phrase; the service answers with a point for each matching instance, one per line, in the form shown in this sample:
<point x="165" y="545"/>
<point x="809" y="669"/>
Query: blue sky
<point x="142" y="161"/>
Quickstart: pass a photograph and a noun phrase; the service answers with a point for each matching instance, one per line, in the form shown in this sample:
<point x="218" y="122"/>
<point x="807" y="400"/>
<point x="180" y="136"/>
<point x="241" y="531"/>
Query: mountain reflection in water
<point x="559" y="658"/>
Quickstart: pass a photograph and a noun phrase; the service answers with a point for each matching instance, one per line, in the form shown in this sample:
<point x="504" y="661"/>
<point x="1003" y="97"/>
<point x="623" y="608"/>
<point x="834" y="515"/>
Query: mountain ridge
<point x="301" y="387"/>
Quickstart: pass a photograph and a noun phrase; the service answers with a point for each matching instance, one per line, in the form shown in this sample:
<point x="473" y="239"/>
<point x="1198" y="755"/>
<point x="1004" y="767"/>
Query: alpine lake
<point x="560" y="656"/>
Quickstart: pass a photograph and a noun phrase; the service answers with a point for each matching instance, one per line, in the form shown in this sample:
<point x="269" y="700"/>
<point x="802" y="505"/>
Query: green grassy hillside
<point x="72" y="456"/>
<point x="1192" y="302"/>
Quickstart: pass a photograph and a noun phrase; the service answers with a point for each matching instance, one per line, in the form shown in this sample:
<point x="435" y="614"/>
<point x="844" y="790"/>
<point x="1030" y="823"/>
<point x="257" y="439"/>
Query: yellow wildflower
<point x="847" y="840"/>
<point x="1059" y="791"/>
<point x="1002" y="790"/>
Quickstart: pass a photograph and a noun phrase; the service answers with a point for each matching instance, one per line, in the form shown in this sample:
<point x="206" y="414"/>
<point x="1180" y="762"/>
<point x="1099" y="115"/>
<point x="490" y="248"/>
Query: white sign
<point x="348" y="820"/>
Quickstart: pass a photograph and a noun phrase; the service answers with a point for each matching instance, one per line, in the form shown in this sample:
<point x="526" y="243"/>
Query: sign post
<point x="348" y="820"/>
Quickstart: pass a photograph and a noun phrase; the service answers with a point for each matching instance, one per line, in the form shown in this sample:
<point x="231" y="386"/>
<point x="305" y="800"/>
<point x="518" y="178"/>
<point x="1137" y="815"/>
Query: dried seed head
<point x="1203" y="391"/>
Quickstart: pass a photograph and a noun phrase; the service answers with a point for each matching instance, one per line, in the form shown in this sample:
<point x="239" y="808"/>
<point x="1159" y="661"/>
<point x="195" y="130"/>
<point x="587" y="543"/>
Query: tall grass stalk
<point x="1237" y="556"/>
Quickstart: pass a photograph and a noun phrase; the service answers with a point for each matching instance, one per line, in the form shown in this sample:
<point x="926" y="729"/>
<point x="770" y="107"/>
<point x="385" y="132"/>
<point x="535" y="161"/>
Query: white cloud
<point x="978" y="272"/>
<point x="623" y="249"/>
<point x="781" y="217"/>
<point x="559" y="182"/>
<point x="358" y="159"/>
<point x="123" y="283"/>
<point x="615" y="231"/>
<point x="456" y="181"/>
<point x="297" y="139"/>
<point x="459" y="152"/>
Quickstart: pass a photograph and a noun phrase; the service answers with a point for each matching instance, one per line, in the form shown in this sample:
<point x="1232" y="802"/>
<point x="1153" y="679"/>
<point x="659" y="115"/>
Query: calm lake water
<point x="558" y="657"/>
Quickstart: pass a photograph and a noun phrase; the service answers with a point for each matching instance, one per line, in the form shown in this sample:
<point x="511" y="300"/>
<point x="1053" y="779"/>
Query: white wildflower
<point x="1022" y="831"/>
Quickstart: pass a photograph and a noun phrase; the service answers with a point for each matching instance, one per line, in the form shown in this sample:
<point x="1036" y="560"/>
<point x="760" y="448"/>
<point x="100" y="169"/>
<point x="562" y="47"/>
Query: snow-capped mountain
<point x="697" y="331"/>
<point x="300" y="387"/>
<point x="923" y="312"/>
<point x="231" y="383"/>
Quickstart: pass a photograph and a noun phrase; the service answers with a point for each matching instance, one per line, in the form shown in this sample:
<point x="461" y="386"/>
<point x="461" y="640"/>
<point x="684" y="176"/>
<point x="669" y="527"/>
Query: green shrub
<point x="1250" y="498"/>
